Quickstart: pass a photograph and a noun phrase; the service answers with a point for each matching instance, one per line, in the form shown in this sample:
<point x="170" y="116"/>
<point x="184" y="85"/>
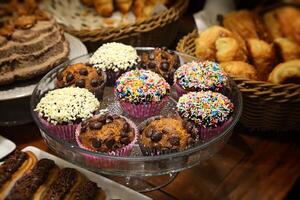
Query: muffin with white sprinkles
<point x="115" y="59"/>
<point x="205" y="113"/>
<point x="61" y="110"/>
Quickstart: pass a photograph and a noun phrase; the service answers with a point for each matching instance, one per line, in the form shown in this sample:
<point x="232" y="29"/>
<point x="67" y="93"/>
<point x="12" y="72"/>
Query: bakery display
<point x="161" y="61"/>
<point x="112" y="134"/>
<point x="83" y="76"/>
<point x="209" y="112"/>
<point x="199" y="76"/>
<point x="142" y="93"/>
<point x="162" y="135"/>
<point x="42" y="179"/>
<point x="30" y="45"/>
<point x="287" y="72"/>
<point x="115" y="59"/>
<point x="61" y="110"/>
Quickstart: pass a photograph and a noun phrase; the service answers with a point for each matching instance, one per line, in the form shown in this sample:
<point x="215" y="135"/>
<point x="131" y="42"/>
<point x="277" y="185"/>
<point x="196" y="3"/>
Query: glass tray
<point x="135" y="165"/>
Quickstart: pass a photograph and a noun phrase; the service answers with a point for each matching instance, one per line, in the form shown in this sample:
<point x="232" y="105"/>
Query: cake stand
<point x="135" y="171"/>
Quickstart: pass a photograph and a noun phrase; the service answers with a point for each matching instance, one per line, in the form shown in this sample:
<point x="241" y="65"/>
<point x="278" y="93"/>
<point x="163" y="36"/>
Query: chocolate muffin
<point x="83" y="76"/>
<point x="162" y="61"/>
<point x="107" y="133"/>
<point x="161" y="135"/>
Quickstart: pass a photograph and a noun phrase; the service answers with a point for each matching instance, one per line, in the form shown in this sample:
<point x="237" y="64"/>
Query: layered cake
<point x="30" y="45"/>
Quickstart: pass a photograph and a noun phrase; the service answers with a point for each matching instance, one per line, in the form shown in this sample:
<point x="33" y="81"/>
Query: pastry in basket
<point x="30" y="45"/>
<point x="287" y="72"/>
<point x="142" y="93"/>
<point x="124" y="5"/>
<point x="115" y="59"/>
<point x="287" y="49"/>
<point x="161" y="135"/>
<point x="262" y="56"/>
<point x="34" y="182"/>
<point x="61" y="110"/>
<point x="112" y="134"/>
<point x="13" y="168"/>
<point x="284" y="22"/>
<point x="245" y="24"/>
<point x="239" y="69"/>
<point x="144" y="8"/>
<point x="211" y="43"/>
<point x="104" y="7"/>
<point x="83" y="76"/>
<point x="208" y="112"/>
<point x="161" y="61"/>
<point x="199" y="76"/>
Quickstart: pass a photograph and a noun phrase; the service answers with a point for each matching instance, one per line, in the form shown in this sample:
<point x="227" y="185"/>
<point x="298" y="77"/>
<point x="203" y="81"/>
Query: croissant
<point x="104" y="7"/>
<point x="287" y="72"/>
<point x="228" y="49"/>
<point x="287" y="49"/>
<point x="239" y="69"/>
<point x="124" y="5"/>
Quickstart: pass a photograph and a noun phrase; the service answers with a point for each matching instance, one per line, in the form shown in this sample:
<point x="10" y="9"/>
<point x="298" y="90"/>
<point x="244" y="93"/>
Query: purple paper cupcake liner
<point x="208" y="133"/>
<point x="180" y="91"/>
<point x="144" y="110"/>
<point x="103" y="162"/>
<point x="64" y="132"/>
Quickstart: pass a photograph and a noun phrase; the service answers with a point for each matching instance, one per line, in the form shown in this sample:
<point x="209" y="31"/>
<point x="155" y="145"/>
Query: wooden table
<point x="251" y="166"/>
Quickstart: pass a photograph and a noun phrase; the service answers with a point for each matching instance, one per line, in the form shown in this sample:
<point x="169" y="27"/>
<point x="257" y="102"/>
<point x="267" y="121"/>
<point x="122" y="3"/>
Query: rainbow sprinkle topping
<point x="207" y="109"/>
<point x="141" y="85"/>
<point x="201" y="76"/>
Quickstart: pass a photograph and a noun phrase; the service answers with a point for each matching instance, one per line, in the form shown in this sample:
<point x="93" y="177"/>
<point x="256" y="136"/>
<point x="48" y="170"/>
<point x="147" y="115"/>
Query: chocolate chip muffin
<point x="107" y="133"/>
<point x="161" y="135"/>
<point x="162" y="61"/>
<point x="83" y="76"/>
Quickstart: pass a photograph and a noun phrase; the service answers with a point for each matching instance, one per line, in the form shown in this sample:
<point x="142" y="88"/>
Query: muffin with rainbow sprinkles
<point x="205" y="113"/>
<point x="142" y="93"/>
<point x="199" y="76"/>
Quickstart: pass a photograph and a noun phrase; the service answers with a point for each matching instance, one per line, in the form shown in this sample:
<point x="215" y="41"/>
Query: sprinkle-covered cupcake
<point x="83" y="76"/>
<point x="207" y="113"/>
<point x="142" y="93"/>
<point x="112" y="134"/>
<point x="161" y="135"/>
<point x="115" y="59"/>
<point x="61" y="110"/>
<point x="199" y="76"/>
<point x="161" y="61"/>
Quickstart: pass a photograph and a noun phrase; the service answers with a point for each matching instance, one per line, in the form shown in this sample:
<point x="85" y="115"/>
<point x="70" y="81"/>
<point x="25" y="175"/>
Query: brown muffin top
<point x="161" y="61"/>
<point x="166" y="133"/>
<point x="80" y="75"/>
<point x="105" y="133"/>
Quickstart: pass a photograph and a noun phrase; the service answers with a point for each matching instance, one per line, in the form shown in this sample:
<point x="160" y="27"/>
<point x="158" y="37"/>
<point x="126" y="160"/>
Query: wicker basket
<point x="267" y="106"/>
<point x="157" y="30"/>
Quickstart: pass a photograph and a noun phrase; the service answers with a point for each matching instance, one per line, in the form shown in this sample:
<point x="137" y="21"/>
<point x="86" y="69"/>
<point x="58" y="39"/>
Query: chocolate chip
<point x="126" y="127"/>
<point x="156" y="136"/>
<point x="125" y="140"/>
<point x="69" y="77"/>
<point x="94" y="82"/>
<point x="110" y="142"/>
<point x="96" y="142"/>
<point x="109" y="119"/>
<point x="165" y="66"/>
<point x="152" y="65"/>
<point x="95" y="125"/>
<point x="174" y="140"/>
<point x="124" y="134"/>
<point x="60" y="76"/>
<point x="102" y="119"/>
<point x="83" y="72"/>
<point x="151" y="56"/>
<point x="80" y="83"/>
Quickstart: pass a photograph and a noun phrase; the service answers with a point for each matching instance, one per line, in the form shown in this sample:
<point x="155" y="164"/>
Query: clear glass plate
<point x="136" y="164"/>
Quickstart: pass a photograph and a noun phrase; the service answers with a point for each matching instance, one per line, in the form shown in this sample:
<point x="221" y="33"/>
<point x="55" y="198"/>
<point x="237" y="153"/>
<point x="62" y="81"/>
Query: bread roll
<point x="287" y="49"/>
<point x="287" y="72"/>
<point x="239" y="69"/>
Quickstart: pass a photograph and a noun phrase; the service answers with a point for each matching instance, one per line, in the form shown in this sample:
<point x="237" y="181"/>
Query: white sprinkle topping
<point x="114" y="56"/>
<point x="65" y="105"/>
